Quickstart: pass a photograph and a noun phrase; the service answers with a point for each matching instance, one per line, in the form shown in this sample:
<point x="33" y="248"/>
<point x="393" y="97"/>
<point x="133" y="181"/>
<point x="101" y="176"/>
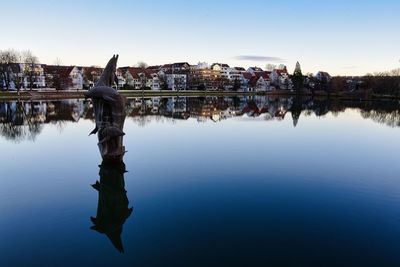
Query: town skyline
<point x="343" y="38"/>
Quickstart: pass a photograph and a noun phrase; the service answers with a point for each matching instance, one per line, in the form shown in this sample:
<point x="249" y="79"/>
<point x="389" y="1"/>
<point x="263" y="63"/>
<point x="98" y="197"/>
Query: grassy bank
<point x="45" y="95"/>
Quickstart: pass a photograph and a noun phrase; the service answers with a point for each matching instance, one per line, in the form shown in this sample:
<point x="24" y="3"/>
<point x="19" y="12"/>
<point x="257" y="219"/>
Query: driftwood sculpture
<point x="109" y="110"/>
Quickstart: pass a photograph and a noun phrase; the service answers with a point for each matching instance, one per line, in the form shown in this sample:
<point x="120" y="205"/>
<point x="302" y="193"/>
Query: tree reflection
<point x="20" y="121"/>
<point x="24" y="120"/>
<point x="296" y="109"/>
<point x="389" y="118"/>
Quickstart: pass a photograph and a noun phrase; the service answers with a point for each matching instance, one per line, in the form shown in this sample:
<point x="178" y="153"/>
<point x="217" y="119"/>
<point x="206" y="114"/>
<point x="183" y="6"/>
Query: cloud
<point x="259" y="58"/>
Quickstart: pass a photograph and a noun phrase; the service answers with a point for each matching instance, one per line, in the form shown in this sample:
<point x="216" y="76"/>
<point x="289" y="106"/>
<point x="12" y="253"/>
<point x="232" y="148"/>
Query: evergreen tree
<point x="298" y="79"/>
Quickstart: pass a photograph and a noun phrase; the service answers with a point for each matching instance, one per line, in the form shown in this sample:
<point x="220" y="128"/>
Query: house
<point x="133" y="77"/>
<point x="254" y="69"/>
<point x="154" y="68"/>
<point x="9" y="75"/>
<point x="245" y="78"/>
<point x="259" y="81"/>
<point x="175" y="81"/>
<point x="228" y="76"/>
<point x="240" y="69"/>
<point x="121" y="81"/>
<point x="234" y="74"/>
<point x="279" y="78"/>
<point x="91" y="75"/>
<point x="201" y="77"/>
<point x="201" y="65"/>
<point x="31" y="73"/>
<point x="219" y="67"/>
<point x="76" y="75"/>
<point x="222" y="69"/>
<point x="152" y="80"/>
<point x="22" y="75"/>
<point x="180" y="67"/>
<point x="139" y="78"/>
<point x="166" y="67"/>
<point x="64" y="77"/>
<point x="263" y="81"/>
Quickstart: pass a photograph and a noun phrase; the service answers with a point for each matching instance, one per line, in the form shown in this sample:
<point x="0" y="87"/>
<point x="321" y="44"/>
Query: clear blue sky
<point x="341" y="37"/>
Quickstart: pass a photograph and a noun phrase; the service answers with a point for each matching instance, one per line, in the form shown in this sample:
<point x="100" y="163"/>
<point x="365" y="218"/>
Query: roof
<point x="150" y="73"/>
<point x="155" y="67"/>
<point x="177" y="72"/>
<point x="256" y="69"/>
<point x="253" y="80"/>
<point x="240" y="68"/>
<point x="180" y="64"/>
<point x="92" y="69"/>
<point x="223" y="65"/>
<point x="135" y="71"/>
<point x="254" y="77"/>
<point x="251" y="109"/>
<point x="56" y="69"/>
<point x="166" y="66"/>
<point x="281" y="71"/>
<point x="247" y="75"/>
<point x="265" y="74"/>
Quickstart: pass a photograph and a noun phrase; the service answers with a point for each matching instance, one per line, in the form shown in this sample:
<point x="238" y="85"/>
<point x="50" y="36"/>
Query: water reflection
<point x="21" y="120"/>
<point x="24" y="120"/>
<point x="113" y="204"/>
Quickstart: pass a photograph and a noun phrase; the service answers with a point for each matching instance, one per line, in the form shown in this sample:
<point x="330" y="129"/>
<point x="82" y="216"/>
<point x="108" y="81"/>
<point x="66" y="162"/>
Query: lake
<point x="211" y="181"/>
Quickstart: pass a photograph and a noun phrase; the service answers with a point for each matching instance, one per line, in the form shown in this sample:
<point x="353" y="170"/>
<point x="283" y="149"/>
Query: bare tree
<point x="58" y="62"/>
<point x="395" y="72"/>
<point x="142" y="64"/>
<point x="30" y="68"/>
<point x="281" y="66"/>
<point x="270" y="67"/>
<point x="387" y="82"/>
<point x="8" y="58"/>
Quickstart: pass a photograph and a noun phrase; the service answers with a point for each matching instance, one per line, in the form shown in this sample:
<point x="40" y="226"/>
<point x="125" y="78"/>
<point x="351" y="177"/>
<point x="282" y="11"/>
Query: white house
<point x="223" y="69"/>
<point x="64" y="77"/>
<point x="263" y="82"/>
<point x="76" y="75"/>
<point x="133" y="77"/>
<point x="280" y="78"/>
<point x="176" y="81"/>
<point x="152" y="80"/>
<point x="234" y="74"/>
<point x="38" y="76"/>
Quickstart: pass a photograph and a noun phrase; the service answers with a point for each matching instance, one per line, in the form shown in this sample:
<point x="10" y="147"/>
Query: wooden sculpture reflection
<point x="113" y="204"/>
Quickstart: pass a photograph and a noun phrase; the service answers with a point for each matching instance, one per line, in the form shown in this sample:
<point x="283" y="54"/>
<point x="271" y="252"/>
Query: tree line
<point x="9" y="60"/>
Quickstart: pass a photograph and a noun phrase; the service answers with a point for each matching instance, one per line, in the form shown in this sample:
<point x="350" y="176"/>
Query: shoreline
<point x="79" y="94"/>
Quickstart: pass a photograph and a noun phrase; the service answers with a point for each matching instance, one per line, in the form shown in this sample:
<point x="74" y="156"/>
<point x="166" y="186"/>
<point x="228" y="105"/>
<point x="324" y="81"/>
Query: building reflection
<point x="24" y="120"/>
<point x="113" y="204"/>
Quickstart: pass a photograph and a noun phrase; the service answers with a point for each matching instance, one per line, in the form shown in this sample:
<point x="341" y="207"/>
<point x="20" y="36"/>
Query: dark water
<point x="211" y="182"/>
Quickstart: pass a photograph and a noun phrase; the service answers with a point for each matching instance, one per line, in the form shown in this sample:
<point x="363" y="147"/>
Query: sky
<point x="340" y="37"/>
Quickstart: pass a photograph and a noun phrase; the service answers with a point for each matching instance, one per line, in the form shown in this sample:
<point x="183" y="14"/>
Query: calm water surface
<point x="209" y="182"/>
